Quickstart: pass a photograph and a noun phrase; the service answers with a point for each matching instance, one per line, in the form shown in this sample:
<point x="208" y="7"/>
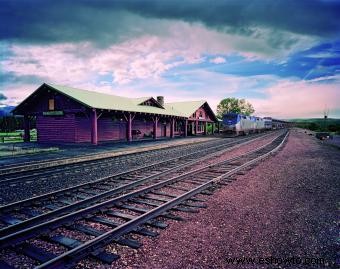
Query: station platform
<point x="42" y="153"/>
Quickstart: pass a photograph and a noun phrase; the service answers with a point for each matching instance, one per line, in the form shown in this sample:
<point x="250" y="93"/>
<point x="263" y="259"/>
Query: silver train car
<point x="268" y="123"/>
<point x="238" y="124"/>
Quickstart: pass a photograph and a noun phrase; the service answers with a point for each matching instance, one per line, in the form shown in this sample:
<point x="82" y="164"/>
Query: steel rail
<point x="30" y="232"/>
<point x="69" y="258"/>
<point x="73" y="165"/>
<point x="92" y="163"/>
<point x="35" y="198"/>
<point x="79" y="204"/>
<point x="75" y="160"/>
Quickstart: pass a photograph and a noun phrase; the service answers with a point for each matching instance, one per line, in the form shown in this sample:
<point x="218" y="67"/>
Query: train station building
<point x="70" y="115"/>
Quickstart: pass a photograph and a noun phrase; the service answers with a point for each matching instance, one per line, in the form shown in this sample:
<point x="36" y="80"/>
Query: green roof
<point x="186" y="108"/>
<point x="113" y="102"/>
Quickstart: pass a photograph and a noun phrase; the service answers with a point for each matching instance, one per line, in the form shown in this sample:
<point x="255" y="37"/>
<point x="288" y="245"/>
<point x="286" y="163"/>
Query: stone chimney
<point x="160" y="99"/>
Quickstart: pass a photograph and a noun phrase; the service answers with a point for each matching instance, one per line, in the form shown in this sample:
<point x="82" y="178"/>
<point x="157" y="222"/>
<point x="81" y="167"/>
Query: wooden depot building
<point x="70" y="115"/>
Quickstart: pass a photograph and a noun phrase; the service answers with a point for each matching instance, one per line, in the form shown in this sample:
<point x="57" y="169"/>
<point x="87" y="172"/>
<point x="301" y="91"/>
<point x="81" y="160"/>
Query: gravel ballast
<point x="281" y="214"/>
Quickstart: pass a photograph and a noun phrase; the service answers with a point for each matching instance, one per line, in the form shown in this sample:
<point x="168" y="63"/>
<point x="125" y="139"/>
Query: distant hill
<point x="6" y="110"/>
<point x="316" y="120"/>
<point x="319" y="124"/>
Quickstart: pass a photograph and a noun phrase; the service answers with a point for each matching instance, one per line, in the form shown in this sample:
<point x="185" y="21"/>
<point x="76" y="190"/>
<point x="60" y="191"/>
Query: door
<point x="164" y="130"/>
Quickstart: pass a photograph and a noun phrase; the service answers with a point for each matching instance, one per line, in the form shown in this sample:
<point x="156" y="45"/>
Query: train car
<point x="234" y="123"/>
<point x="260" y="125"/>
<point x="254" y="124"/>
<point x="268" y="123"/>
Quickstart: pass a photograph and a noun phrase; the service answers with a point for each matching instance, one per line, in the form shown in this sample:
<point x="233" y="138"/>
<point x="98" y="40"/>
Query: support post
<point x="129" y="128"/>
<point x="185" y="128"/>
<point x="172" y="128"/>
<point x="196" y="127"/>
<point x="155" y="121"/>
<point x="27" y="136"/>
<point x="213" y="128"/>
<point x="205" y="128"/>
<point x="218" y="127"/>
<point x="94" y="129"/>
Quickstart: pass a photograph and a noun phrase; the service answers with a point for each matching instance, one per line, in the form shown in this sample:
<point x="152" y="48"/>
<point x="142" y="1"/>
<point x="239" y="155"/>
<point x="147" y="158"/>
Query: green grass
<point x="11" y="150"/>
<point x="16" y="136"/>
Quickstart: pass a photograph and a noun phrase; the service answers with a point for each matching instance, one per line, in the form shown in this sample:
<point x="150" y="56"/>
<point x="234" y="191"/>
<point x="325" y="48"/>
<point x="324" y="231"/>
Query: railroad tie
<point x="185" y="209"/>
<point x="110" y="223"/>
<point x="146" y="202"/>
<point x="71" y="243"/>
<point x="194" y="205"/>
<point x="154" y="197"/>
<point x="10" y="220"/>
<point x="157" y="224"/>
<point x="30" y="212"/>
<point x="94" y="232"/>
<point x="178" y="188"/>
<point x="5" y="265"/>
<point x="36" y="253"/>
<point x="163" y="194"/>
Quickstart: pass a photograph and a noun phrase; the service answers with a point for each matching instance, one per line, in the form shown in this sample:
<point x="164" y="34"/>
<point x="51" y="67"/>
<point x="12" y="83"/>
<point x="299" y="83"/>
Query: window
<point x="178" y="126"/>
<point x="200" y="126"/>
<point x="50" y="104"/>
<point x="200" y="114"/>
<point x="230" y="116"/>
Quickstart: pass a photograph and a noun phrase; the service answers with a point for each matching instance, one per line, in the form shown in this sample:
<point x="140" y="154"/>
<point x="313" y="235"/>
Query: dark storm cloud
<point x="300" y="16"/>
<point x="12" y="78"/>
<point x="108" y="21"/>
<point x="2" y="97"/>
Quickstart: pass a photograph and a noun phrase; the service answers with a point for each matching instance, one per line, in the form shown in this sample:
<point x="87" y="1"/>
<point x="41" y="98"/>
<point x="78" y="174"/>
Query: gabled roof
<point x="186" y="108"/>
<point x="142" y="100"/>
<point x="99" y="100"/>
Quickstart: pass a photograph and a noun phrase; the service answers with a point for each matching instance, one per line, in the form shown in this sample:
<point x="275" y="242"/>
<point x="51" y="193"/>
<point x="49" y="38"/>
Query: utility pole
<point x="325" y="116"/>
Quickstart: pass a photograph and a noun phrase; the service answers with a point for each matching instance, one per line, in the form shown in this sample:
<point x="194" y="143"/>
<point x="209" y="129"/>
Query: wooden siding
<point x="107" y="129"/>
<point x="111" y="130"/>
<point x="56" y="129"/>
<point x="83" y="129"/>
<point x="201" y="114"/>
<point x="61" y="102"/>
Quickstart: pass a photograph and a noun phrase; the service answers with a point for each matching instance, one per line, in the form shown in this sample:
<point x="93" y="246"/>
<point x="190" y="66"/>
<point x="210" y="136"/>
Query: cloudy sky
<point x="283" y="55"/>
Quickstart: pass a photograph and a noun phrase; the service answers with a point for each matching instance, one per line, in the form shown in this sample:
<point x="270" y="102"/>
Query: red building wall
<point x="56" y="129"/>
<point x="74" y="129"/>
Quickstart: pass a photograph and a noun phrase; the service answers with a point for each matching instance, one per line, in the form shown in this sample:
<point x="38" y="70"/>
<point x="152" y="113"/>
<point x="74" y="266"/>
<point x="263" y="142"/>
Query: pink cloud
<point x="299" y="99"/>
<point x="218" y="60"/>
<point x="142" y="57"/>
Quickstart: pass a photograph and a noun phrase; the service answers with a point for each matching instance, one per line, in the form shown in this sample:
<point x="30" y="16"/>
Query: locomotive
<point x="234" y="123"/>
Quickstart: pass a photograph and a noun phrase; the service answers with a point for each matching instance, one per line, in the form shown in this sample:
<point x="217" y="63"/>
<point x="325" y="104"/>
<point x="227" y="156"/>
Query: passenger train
<point x="234" y="123"/>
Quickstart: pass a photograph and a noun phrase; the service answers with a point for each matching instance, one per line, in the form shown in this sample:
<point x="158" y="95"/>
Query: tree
<point x="234" y="105"/>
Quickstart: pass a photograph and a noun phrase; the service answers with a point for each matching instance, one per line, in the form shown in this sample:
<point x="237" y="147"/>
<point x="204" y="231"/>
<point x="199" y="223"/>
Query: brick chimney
<point x="160" y="99"/>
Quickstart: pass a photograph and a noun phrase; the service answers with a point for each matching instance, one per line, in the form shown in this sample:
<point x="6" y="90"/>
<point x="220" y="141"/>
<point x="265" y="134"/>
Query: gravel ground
<point x="283" y="208"/>
<point x="42" y="184"/>
<point x="124" y="251"/>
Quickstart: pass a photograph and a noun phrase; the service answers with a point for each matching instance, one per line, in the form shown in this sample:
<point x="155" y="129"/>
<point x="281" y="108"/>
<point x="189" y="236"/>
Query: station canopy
<point x="103" y="101"/>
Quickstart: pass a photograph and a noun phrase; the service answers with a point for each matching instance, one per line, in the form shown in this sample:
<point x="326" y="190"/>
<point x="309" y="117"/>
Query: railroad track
<point x="37" y="185"/>
<point x="133" y="212"/>
<point x="79" y="166"/>
<point x="32" y="211"/>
